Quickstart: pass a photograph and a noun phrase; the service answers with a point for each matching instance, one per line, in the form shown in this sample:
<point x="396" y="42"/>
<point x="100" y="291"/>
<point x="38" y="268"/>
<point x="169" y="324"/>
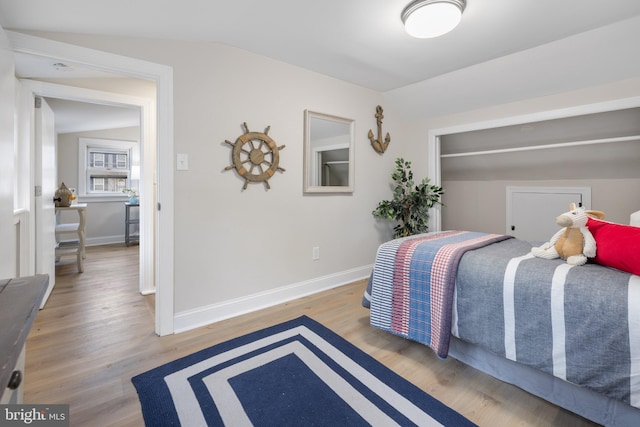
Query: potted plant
<point x="411" y="204"/>
<point x="133" y="195"/>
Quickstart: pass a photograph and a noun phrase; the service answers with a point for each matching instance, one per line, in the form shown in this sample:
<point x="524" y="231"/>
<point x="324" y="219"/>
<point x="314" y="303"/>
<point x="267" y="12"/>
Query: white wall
<point x="105" y="219"/>
<point x="595" y="66"/>
<point x="229" y="243"/>
<point x="481" y="205"/>
<point x="7" y="161"/>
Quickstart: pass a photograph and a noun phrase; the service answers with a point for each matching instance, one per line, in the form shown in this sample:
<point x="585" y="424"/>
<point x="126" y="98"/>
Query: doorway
<point x="90" y="137"/>
<point x="159" y="127"/>
<point x="31" y="89"/>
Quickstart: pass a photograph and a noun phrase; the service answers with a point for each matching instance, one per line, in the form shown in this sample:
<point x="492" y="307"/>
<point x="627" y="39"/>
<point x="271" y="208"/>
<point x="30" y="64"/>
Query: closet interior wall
<point x="600" y="151"/>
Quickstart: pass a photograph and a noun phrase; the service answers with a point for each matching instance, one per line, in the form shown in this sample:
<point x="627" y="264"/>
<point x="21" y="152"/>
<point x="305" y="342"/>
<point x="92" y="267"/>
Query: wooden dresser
<point x="19" y="303"/>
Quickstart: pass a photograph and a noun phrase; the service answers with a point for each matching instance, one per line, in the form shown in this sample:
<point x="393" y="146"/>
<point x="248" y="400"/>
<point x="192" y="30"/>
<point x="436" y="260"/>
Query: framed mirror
<point x="328" y="153"/>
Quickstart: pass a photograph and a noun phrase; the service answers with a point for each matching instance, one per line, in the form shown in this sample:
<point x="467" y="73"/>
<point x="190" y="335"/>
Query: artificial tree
<point x="410" y="204"/>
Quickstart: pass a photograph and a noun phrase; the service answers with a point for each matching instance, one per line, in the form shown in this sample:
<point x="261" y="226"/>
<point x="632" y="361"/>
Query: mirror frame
<point x="308" y="188"/>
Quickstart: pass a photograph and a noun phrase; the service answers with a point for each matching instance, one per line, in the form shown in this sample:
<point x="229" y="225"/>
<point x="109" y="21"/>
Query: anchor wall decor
<point x="377" y="144"/>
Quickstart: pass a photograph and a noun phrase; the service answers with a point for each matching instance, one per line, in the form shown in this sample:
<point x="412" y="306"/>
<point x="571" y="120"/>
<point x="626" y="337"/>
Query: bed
<point x="568" y="334"/>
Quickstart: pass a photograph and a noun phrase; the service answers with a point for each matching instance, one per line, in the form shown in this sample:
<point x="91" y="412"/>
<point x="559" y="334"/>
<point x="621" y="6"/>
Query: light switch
<point x="182" y="162"/>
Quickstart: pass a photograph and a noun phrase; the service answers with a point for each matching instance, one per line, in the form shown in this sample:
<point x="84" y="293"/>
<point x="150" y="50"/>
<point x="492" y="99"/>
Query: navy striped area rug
<point x="298" y="373"/>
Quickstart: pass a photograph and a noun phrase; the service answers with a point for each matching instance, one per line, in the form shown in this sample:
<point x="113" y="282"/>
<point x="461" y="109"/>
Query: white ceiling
<point x="359" y="41"/>
<point x="75" y="116"/>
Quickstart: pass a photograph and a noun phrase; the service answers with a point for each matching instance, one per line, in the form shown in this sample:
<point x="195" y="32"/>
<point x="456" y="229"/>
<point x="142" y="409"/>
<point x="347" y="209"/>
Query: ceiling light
<point x="60" y="66"/>
<point x="432" y="18"/>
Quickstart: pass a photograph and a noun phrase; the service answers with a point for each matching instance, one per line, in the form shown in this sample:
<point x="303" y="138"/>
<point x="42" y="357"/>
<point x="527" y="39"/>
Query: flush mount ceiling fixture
<point x="60" y="66"/>
<point x="432" y="18"/>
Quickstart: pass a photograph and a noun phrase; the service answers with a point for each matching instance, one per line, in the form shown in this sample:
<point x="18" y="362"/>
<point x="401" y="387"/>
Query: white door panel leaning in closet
<point x="531" y="211"/>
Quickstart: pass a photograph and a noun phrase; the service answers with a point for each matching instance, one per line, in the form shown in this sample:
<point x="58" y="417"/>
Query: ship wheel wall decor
<point x="255" y="156"/>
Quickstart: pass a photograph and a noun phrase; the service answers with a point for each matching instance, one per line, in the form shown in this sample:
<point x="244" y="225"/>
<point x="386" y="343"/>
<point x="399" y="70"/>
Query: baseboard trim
<point x="191" y="319"/>
<point x="104" y="240"/>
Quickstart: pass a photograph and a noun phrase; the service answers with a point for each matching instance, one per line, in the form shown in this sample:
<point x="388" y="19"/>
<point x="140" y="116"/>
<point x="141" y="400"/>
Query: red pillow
<point x="617" y="245"/>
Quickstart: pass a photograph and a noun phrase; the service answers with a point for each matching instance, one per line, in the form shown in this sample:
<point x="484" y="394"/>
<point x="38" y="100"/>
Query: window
<point x="105" y="166"/>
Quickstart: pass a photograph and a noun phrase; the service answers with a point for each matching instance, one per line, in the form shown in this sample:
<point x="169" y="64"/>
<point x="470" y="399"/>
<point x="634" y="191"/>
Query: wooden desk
<point x="19" y="303"/>
<point x="76" y="231"/>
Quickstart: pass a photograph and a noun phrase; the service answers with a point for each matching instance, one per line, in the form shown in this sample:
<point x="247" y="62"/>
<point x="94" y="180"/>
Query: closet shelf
<point x="545" y="146"/>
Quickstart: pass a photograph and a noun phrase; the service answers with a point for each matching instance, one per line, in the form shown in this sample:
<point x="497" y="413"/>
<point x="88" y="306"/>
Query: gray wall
<point x="476" y="185"/>
<point x="481" y="205"/>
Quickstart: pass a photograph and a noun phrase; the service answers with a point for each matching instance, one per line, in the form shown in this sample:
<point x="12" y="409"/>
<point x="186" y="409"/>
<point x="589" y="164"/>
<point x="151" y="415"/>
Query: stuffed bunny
<point x="573" y="243"/>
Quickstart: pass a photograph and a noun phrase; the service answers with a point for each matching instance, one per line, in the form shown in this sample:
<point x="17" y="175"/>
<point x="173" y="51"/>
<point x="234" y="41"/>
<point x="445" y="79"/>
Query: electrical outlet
<point x="315" y="253"/>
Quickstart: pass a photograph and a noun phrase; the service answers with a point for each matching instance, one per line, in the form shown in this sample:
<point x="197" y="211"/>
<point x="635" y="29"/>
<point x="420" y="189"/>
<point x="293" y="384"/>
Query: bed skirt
<point x="582" y="401"/>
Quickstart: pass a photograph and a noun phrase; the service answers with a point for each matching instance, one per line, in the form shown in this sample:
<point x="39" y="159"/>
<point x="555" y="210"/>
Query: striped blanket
<point x="580" y="324"/>
<point x="413" y="283"/>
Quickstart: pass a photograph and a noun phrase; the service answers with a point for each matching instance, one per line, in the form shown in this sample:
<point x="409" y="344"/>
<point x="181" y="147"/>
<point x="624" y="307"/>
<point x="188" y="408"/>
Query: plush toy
<point x="573" y="243"/>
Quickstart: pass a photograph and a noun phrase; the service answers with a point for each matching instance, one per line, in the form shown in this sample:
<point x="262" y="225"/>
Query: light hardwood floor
<point x="96" y="332"/>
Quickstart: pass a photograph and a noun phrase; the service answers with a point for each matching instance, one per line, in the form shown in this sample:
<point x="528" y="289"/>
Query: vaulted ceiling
<point x="359" y="41"/>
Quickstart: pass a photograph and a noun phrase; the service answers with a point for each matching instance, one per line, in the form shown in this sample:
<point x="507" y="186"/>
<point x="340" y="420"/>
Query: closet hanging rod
<point x="546" y="146"/>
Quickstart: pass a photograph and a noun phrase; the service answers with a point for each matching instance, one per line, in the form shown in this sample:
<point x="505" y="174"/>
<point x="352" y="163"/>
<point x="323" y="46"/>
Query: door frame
<point x="30" y="89"/>
<point x="159" y="211"/>
<point x="42" y="141"/>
